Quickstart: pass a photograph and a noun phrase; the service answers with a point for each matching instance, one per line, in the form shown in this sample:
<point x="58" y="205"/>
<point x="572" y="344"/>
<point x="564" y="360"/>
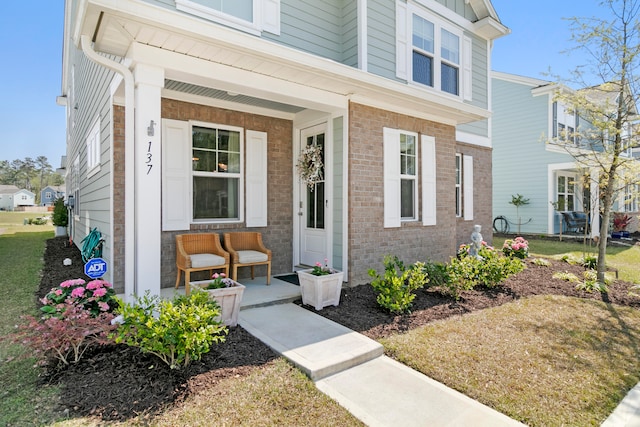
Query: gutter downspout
<point x="130" y="288"/>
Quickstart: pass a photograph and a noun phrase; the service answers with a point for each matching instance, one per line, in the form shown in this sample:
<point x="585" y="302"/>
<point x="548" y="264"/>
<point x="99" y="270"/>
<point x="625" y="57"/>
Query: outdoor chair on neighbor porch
<point x="247" y="250"/>
<point x="199" y="252"/>
<point x="576" y="221"/>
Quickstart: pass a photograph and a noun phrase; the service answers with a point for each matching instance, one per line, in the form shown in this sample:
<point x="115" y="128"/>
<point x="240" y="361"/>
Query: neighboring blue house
<point x="525" y="121"/>
<point x="190" y="116"/>
<point x="12" y="197"/>
<point x="50" y="193"/>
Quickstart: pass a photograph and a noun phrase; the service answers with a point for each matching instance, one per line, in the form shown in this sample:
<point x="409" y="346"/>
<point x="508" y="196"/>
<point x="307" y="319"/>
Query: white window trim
<point x="239" y="175"/>
<point x="459" y="185"/>
<point x="404" y="49"/>
<point x="93" y="149"/>
<point x="266" y="16"/>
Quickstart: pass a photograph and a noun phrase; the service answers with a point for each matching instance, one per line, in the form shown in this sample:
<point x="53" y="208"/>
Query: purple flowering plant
<point x="97" y="297"/>
<point x="220" y="280"/>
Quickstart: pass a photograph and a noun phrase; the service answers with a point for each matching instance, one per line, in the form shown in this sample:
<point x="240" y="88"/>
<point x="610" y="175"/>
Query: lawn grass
<point x="22" y="400"/>
<point x="13" y="222"/>
<point x="275" y="394"/>
<point x="545" y="360"/>
<point x="625" y="259"/>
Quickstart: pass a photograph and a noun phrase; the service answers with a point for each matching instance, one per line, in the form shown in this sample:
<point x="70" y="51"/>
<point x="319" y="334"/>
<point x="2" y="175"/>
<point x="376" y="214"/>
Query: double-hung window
<point x="408" y="176"/>
<point x="566" y="192"/>
<point x="464" y="186"/>
<point x="458" y="185"/>
<point x="252" y="16"/>
<point x="401" y="174"/>
<point x="93" y="148"/>
<point x="435" y="54"/>
<point x="565" y="124"/>
<point x="216" y="172"/>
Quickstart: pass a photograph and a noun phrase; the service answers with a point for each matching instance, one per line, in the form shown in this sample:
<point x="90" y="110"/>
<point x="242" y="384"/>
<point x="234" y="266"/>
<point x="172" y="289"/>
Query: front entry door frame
<point x="301" y="232"/>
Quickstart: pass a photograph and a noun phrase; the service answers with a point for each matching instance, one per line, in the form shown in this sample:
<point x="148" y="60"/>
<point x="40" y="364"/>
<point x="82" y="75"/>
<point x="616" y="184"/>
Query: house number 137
<point x="149" y="159"/>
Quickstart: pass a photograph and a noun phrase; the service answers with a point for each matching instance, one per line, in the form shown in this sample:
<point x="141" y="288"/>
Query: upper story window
<point x="253" y="16"/>
<point x="565" y="124"/>
<point x="435" y="56"/>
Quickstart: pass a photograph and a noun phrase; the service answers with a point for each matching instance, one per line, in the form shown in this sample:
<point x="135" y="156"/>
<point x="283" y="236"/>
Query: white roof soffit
<point x="154" y="35"/>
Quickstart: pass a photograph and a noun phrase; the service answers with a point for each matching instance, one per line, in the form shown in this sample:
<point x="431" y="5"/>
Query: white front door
<point x="313" y="204"/>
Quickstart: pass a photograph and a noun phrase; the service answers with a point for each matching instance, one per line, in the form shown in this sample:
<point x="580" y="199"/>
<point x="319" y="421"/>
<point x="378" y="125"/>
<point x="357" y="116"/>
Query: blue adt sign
<point x="95" y="268"/>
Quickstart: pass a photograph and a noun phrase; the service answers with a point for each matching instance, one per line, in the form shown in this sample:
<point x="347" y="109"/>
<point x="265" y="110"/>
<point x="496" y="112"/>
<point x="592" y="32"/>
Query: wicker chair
<point x="199" y="252"/>
<point x="247" y="250"/>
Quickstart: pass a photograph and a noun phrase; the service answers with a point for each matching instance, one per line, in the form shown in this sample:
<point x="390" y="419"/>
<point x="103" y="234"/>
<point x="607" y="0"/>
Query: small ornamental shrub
<point x="591" y="283"/>
<point x="64" y="337"/>
<point x="395" y="289"/>
<point x="516" y="248"/>
<point x="177" y="331"/>
<point x="465" y="272"/>
<point x="436" y="273"/>
<point x="566" y="276"/>
<point x="97" y="297"/>
<point x="590" y="262"/>
<point x="541" y="262"/>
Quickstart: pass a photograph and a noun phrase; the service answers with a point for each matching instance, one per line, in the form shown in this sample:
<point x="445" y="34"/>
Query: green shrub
<point x="177" y="331"/>
<point x="566" y="276"/>
<point x="591" y="283"/>
<point x="541" y="262"/>
<point x="395" y="289"/>
<point x="436" y="273"/>
<point x="590" y="262"/>
<point x="465" y="272"/>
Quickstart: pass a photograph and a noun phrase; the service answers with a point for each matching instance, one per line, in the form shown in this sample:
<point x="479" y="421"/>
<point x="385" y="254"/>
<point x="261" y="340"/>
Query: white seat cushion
<point x="249" y="257"/>
<point x="206" y="260"/>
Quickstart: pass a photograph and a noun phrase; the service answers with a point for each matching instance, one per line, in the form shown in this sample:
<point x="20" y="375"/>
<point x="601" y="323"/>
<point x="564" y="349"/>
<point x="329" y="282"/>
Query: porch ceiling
<point x="117" y="26"/>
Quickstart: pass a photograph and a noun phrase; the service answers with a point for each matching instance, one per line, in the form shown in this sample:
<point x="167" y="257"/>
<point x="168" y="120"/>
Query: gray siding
<point x="381" y="43"/>
<point x="350" y="33"/>
<point x="461" y="7"/>
<point x="92" y="89"/>
<point x="338" y="192"/>
<point x="520" y="158"/>
<point x="311" y="26"/>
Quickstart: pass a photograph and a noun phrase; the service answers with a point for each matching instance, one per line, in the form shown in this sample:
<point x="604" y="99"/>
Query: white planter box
<point x="228" y="299"/>
<point x="60" y="231"/>
<point x="320" y="291"/>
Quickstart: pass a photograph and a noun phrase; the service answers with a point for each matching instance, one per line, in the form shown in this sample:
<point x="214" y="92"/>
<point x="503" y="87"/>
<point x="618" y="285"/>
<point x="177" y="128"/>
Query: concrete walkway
<point x="351" y="369"/>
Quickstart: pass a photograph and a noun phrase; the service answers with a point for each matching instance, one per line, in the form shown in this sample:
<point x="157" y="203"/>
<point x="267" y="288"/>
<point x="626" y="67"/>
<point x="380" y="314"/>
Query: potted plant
<point x="60" y="218"/>
<point x="227" y="293"/>
<point x="320" y="286"/>
<point x="620" y="223"/>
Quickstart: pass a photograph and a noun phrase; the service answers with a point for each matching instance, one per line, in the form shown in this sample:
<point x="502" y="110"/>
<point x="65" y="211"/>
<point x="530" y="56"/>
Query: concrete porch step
<point x="317" y="346"/>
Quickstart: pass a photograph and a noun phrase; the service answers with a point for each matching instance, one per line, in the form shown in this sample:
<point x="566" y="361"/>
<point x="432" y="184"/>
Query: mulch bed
<point x="117" y="382"/>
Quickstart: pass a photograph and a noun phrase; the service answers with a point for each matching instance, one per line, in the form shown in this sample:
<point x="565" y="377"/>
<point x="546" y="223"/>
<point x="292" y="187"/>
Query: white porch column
<point x="147" y="178"/>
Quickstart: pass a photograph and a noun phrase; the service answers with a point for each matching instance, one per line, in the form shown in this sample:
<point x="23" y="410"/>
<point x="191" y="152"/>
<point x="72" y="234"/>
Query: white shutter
<point x="176" y="175"/>
<point x="402" y="33"/>
<point x="467" y="75"/>
<point x="429" y="206"/>
<point x="271" y="16"/>
<point x="256" y="179"/>
<point x="391" y="164"/>
<point x="467" y="186"/>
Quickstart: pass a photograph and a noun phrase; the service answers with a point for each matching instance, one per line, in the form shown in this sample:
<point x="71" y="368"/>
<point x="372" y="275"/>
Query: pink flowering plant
<point x="516" y="248"/>
<point x="322" y="270"/>
<point x="220" y="280"/>
<point x="96" y="297"/>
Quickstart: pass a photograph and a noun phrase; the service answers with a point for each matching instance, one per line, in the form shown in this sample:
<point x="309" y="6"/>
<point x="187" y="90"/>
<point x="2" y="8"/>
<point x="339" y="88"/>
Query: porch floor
<point x="256" y="293"/>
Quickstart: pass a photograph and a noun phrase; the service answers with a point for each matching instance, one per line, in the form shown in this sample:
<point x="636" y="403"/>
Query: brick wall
<point x="368" y="240"/>
<point x="278" y="235"/>
<point x="482" y="195"/>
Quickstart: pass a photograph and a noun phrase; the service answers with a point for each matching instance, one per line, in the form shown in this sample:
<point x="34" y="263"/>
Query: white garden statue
<point x="476" y="242"/>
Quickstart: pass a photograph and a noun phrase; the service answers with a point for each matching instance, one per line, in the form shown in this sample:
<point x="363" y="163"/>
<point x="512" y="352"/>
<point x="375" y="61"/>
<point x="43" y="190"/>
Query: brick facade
<point x="368" y="240"/>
